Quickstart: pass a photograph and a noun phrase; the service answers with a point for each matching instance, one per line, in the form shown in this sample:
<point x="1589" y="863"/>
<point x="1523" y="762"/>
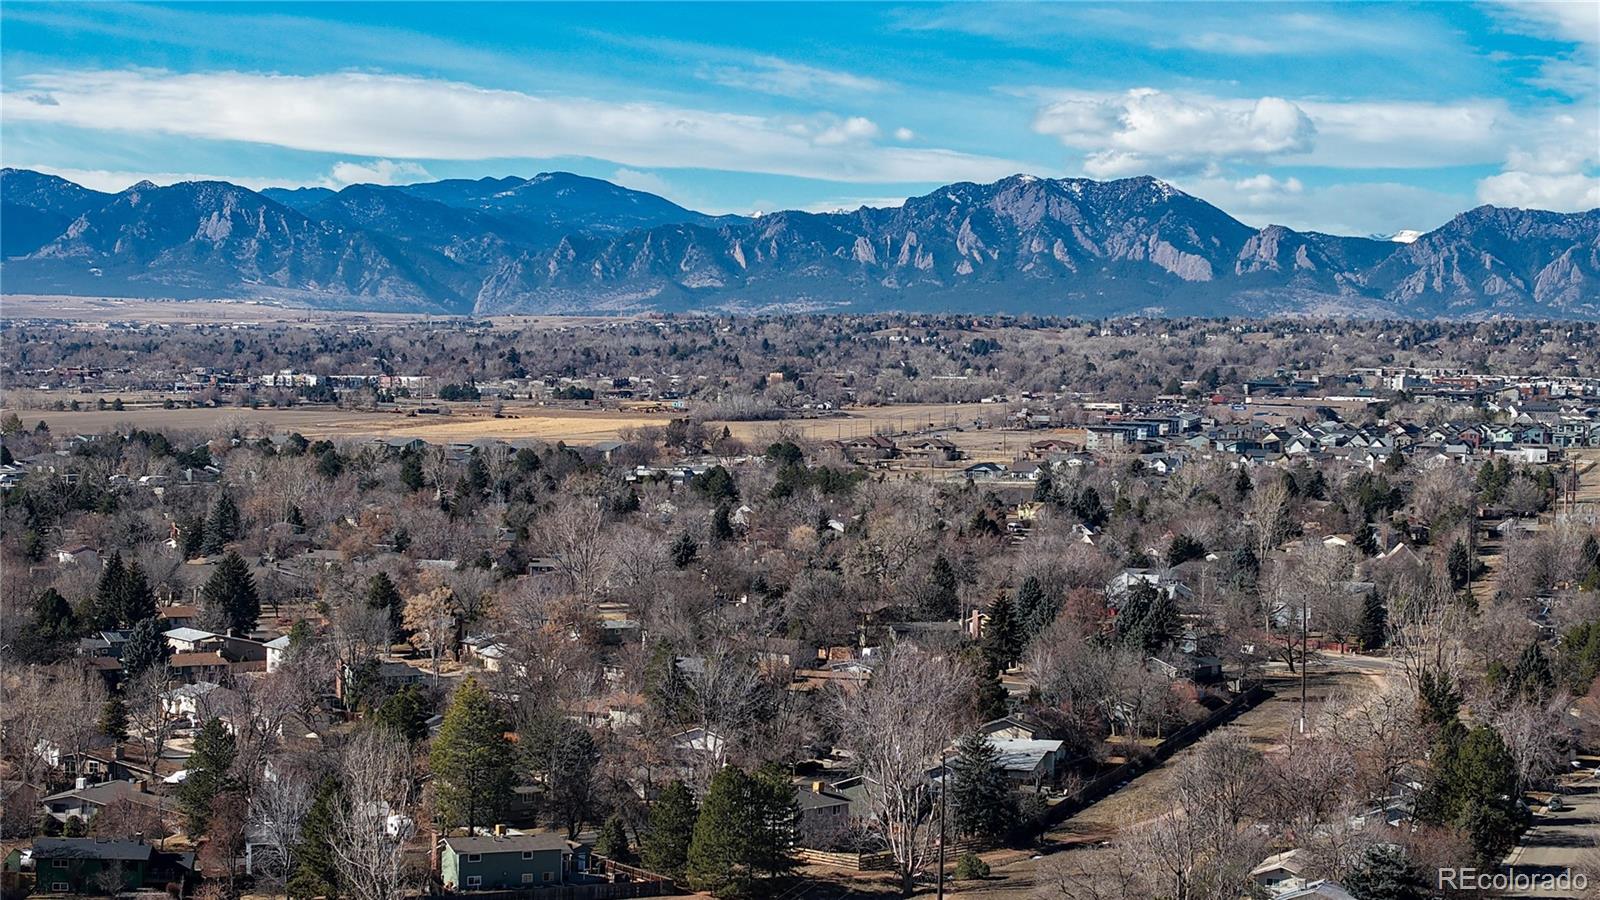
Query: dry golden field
<point x="525" y="421"/>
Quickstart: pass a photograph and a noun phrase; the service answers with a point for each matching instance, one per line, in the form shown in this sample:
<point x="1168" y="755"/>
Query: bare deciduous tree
<point x="370" y="821"/>
<point x="895" y="728"/>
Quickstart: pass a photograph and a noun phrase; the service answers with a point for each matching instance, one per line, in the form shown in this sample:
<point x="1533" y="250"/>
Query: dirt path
<point x="1268" y="726"/>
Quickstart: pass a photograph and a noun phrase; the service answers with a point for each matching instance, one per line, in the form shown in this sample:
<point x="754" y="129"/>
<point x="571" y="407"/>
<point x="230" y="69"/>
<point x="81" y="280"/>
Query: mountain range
<point x="563" y="243"/>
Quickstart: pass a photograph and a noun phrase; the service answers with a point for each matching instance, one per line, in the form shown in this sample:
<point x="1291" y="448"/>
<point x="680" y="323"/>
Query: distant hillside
<point x="564" y="243"/>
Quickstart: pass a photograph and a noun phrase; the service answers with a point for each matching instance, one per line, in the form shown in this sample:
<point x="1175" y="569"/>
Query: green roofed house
<point x="501" y="861"/>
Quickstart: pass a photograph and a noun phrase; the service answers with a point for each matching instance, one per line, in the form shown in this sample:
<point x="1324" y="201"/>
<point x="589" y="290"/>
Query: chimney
<point x="816" y="787"/>
<point x="499" y="831"/>
<point x="80" y="783"/>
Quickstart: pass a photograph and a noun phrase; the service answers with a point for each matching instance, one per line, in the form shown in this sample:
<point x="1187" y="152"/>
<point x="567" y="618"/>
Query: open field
<point x="126" y="310"/>
<point x="525" y="421"/>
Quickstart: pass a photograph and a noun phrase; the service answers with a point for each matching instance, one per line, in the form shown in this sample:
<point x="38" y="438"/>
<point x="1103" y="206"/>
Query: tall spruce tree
<point x="1384" y="872"/>
<point x="942" y="602"/>
<point x="772" y="799"/>
<point x="721" y="854"/>
<point x="472" y="761"/>
<point x="612" y="841"/>
<point x="665" y="848"/>
<point x="1473" y="786"/>
<point x="105" y="609"/>
<point x="1002" y="635"/>
<point x="114" y="719"/>
<point x="136" y="601"/>
<point x="52" y="615"/>
<point x="1035" y="609"/>
<point x="315" y="873"/>
<point x="982" y="805"/>
<point x="229" y="598"/>
<point x="1374" y="621"/>
<point x="145" y="649"/>
<point x="209" y="773"/>
<point x="222" y="525"/>
<point x="382" y="594"/>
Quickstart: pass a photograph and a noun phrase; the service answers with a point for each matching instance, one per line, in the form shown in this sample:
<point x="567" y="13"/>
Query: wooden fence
<point x="877" y="861"/>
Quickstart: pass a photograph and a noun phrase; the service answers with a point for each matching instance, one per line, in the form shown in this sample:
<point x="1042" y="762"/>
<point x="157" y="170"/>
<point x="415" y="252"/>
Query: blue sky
<point x="1350" y="118"/>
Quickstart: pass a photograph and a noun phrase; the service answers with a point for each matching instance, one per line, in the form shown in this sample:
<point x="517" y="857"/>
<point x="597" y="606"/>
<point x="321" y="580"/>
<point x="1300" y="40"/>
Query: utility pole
<point x="944" y="788"/>
<point x="1305" y="655"/>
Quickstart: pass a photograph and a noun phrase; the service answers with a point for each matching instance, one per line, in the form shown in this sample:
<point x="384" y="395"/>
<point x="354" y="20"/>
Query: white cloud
<point x="851" y="204"/>
<point x="1145" y="130"/>
<point x="114" y="181"/>
<point x="1554" y="165"/>
<point x="1135" y="131"/>
<point x="395" y="117"/>
<point x="1575" y="72"/>
<point x="851" y="130"/>
<point x="904" y="134"/>
<point x="1577" y="21"/>
<point x="649" y="182"/>
<point x="1359" y="208"/>
<point x="772" y="75"/>
<point x="376" y="171"/>
<point x="1572" y="192"/>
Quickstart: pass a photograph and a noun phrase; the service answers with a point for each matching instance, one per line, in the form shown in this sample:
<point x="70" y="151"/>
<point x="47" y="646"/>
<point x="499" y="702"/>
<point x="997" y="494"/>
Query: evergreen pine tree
<point x="208" y="774"/>
<point x="1002" y="635"/>
<point x="145" y="649"/>
<point x="114" y="719"/>
<point x="993" y="701"/>
<point x="52" y="615"/>
<point x="1147" y="619"/>
<point x="137" y="602"/>
<point x="1044" y="490"/>
<point x="982" y="805"/>
<point x="1374" y="621"/>
<point x="229" y="598"/>
<point x="471" y="760"/>
<point x="665" y="848"/>
<point x="773" y="802"/>
<point x="942" y="602"/>
<point x="106" y="607"/>
<point x="720" y="854"/>
<point x="1386" y="873"/>
<point x="222" y="525"/>
<point x="721" y="523"/>
<point x="683" y="550"/>
<point x="1473" y="786"/>
<point x="1532" y="677"/>
<point x="1035" y="609"/>
<point x="382" y="594"/>
<point x="1367" y="539"/>
<point x="315" y="874"/>
<point x="411" y="472"/>
<point x="1458" y="564"/>
<point x="612" y="842"/>
<point x="405" y="712"/>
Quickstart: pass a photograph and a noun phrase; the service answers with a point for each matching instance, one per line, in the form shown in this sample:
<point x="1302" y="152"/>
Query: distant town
<point x="797" y="606"/>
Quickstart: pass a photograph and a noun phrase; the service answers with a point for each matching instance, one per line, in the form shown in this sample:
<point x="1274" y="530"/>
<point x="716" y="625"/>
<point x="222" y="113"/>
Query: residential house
<point x="92" y="865"/>
<point x="80" y="554"/>
<point x="506" y="861"/>
<point x="1282" y="872"/>
<point x="85" y="801"/>
<point x="823" y="814"/>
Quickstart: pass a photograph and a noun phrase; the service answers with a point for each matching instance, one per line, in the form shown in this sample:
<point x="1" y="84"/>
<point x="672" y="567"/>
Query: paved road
<point x="1569" y="839"/>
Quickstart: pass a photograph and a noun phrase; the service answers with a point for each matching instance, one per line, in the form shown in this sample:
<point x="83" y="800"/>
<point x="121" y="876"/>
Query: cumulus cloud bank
<point x="400" y="117"/>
